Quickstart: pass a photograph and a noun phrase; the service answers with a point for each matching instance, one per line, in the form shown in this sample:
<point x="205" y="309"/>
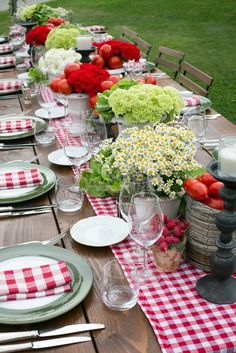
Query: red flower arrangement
<point x="87" y="79"/>
<point x="38" y="35"/>
<point x="127" y="51"/>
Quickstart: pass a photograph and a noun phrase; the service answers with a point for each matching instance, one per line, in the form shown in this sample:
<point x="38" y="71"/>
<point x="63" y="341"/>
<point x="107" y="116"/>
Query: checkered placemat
<point x="15" y="125"/>
<point x="20" y="179"/>
<point x="182" y="321"/>
<point x="5" y="48"/>
<point x="13" y="85"/>
<point x="7" y="60"/>
<point x="34" y="282"/>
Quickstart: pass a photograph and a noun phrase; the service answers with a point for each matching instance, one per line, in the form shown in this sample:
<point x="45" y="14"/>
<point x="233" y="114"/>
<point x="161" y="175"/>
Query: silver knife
<point x="42" y="344"/>
<point x="22" y="213"/>
<point x="14" y="336"/>
<point x="26" y="208"/>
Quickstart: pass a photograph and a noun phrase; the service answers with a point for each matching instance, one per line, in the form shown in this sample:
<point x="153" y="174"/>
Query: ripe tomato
<point x="150" y="79"/>
<point x="114" y="78"/>
<point x="98" y="61"/>
<point x="71" y="68"/>
<point x="105" y="85"/>
<point x="207" y="179"/>
<point x="189" y="182"/>
<point x="54" y="84"/>
<point x="215" y="203"/>
<point x="114" y="62"/>
<point x="214" y="188"/>
<point x="92" y="101"/>
<point x="64" y="87"/>
<point x="105" y="51"/>
<point x="198" y="191"/>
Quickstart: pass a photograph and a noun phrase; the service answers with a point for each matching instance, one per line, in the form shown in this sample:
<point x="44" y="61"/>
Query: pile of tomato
<point x="205" y="188"/>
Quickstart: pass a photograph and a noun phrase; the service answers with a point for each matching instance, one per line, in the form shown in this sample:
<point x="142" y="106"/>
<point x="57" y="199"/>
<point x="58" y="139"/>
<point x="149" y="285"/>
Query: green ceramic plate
<point x="58" y="305"/>
<point x="16" y="135"/>
<point x="215" y="154"/>
<point x="19" y="195"/>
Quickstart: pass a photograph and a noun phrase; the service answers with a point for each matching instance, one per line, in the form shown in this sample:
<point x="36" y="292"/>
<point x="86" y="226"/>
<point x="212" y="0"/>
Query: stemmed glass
<point x="96" y="130"/>
<point x="146" y="219"/>
<point x="47" y="100"/>
<point x="63" y="100"/>
<point x="77" y="148"/>
<point x="196" y="121"/>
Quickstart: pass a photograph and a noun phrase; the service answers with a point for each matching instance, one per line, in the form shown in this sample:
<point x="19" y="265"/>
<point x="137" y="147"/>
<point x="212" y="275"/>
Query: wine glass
<point x="63" y="100"/>
<point x="96" y="130"/>
<point x="196" y="121"/>
<point x="77" y="147"/>
<point x="47" y="100"/>
<point x="146" y="220"/>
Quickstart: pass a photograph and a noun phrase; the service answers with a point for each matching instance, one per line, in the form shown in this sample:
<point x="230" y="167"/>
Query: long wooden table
<point x="125" y="332"/>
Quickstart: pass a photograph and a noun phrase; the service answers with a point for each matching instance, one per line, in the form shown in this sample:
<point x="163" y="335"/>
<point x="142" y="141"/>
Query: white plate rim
<point x="39" y="113"/>
<point x="56" y="161"/>
<point x="99" y="218"/>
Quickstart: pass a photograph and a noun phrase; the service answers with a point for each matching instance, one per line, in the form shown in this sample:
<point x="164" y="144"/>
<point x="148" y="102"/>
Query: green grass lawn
<point x="204" y="30"/>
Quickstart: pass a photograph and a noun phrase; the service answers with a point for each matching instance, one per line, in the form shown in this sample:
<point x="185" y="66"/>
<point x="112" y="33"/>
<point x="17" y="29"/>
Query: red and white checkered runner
<point x="182" y="321"/>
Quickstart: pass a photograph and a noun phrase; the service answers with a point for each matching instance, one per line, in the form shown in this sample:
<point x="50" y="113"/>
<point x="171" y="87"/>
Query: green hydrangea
<point x="40" y="13"/>
<point x="146" y="103"/>
<point x="62" y="37"/>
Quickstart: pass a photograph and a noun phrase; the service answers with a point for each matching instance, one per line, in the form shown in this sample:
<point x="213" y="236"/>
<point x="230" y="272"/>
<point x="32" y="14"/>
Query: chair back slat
<point x="192" y="86"/>
<point x="125" y="31"/>
<point x="143" y="46"/>
<point x="201" y="76"/>
<point x="173" y="60"/>
<point x="171" y="52"/>
<point x="167" y="63"/>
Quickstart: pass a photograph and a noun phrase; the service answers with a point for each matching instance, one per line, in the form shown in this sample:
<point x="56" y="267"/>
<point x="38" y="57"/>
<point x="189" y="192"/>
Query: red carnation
<point x="87" y="79"/>
<point x="37" y="35"/>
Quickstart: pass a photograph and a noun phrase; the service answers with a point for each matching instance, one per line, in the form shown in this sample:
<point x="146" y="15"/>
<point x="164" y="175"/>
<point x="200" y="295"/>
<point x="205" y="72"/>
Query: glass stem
<point x="50" y="122"/>
<point x="145" y="258"/>
<point x="77" y="174"/>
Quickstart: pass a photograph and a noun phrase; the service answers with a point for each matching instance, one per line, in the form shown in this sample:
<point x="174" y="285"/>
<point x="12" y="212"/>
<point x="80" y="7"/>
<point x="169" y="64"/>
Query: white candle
<point x="84" y="42"/>
<point x="227" y="161"/>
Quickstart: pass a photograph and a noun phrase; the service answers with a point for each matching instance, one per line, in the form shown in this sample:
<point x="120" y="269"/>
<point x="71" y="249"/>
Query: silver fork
<point x="54" y="240"/>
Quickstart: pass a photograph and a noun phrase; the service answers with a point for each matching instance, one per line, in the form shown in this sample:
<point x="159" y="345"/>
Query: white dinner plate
<point x="100" y="231"/>
<point x="57" y="112"/>
<point x="3" y="66"/>
<point x="58" y="157"/>
<point x="119" y="71"/>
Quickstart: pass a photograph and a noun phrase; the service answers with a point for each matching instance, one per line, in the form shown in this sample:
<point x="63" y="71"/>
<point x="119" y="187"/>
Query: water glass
<point x="43" y="136"/>
<point x="96" y="130"/>
<point x="196" y="121"/>
<point x="69" y="196"/>
<point x="120" y="285"/>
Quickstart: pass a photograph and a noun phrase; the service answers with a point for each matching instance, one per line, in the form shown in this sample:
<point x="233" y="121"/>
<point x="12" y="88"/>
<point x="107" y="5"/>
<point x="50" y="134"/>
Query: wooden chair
<point x="197" y="75"/>
<point x="128" y="35"/>
<point x="143" y="46"/>
<point x="173" y="61"/>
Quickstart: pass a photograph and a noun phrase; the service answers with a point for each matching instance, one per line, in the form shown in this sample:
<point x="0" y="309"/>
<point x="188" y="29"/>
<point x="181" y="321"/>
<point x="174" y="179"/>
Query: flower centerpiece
<point x="113" y="53"/>
<point x="139" y="103"/>
<point x="63" y="36"/>
<point x="38" y="35"/>
<point x="79" y="83"/>
<point x="164" y="154"/>
<point x="40" y="13"/>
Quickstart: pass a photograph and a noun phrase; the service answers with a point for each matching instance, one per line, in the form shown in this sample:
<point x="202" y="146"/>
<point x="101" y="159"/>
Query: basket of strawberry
<point x="168" y="249"/>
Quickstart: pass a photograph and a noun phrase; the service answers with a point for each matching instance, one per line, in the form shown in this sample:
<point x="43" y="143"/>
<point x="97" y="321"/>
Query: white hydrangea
<point x="55" y="60"/>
